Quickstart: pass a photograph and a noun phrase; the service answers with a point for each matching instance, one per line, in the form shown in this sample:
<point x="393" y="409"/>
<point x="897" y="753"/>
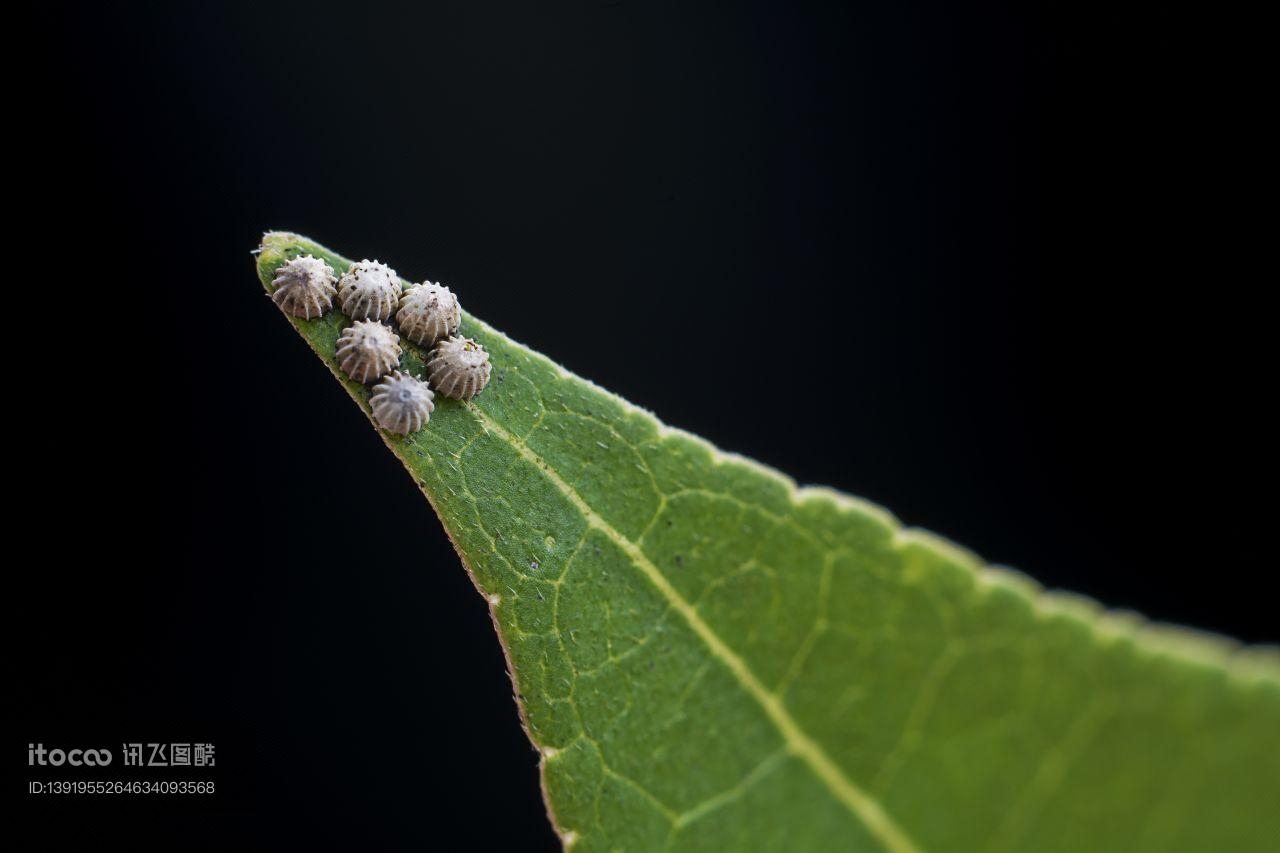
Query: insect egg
<point x="304" y="287"/>
<point x="402" y="403"/>
<point x="369" y="291"/>
<point x="428" y="312"/>
<point x="368" y="350"/>
<point x="459" y="368"/>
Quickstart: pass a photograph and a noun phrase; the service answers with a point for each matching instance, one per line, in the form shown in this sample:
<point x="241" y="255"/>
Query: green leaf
<point x="708" y="657"/>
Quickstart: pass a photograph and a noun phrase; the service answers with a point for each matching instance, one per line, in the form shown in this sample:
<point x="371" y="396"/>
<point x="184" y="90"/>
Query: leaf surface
<point x="708" y="657"/>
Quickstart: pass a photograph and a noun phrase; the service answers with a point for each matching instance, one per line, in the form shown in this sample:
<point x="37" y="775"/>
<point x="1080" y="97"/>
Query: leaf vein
<point x="867" y="809"/>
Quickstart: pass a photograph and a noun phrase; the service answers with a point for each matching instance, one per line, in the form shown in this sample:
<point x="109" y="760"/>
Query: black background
<point x="987" y="265"/>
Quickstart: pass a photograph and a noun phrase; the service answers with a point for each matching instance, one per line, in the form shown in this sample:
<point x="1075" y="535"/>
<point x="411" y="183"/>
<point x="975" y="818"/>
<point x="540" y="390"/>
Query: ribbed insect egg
<point x="402" y="403"/>
<point x="369" y="291"/>
<point x="368" y="350"/>
<point x="304" y="287"/>
<point x="428" y="312"/>
<point x="459" y="368"/>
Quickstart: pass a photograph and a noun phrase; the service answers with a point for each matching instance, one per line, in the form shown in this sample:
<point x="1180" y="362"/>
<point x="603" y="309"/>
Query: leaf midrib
<point x="799" y="743"/>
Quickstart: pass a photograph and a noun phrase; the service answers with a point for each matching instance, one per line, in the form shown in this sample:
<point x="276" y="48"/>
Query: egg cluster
<point x="369" y="351"/>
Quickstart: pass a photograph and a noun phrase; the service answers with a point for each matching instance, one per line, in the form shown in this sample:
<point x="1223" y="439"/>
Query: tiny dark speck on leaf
<point x="679" y="560"/>
<point x="533" y="564"/>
